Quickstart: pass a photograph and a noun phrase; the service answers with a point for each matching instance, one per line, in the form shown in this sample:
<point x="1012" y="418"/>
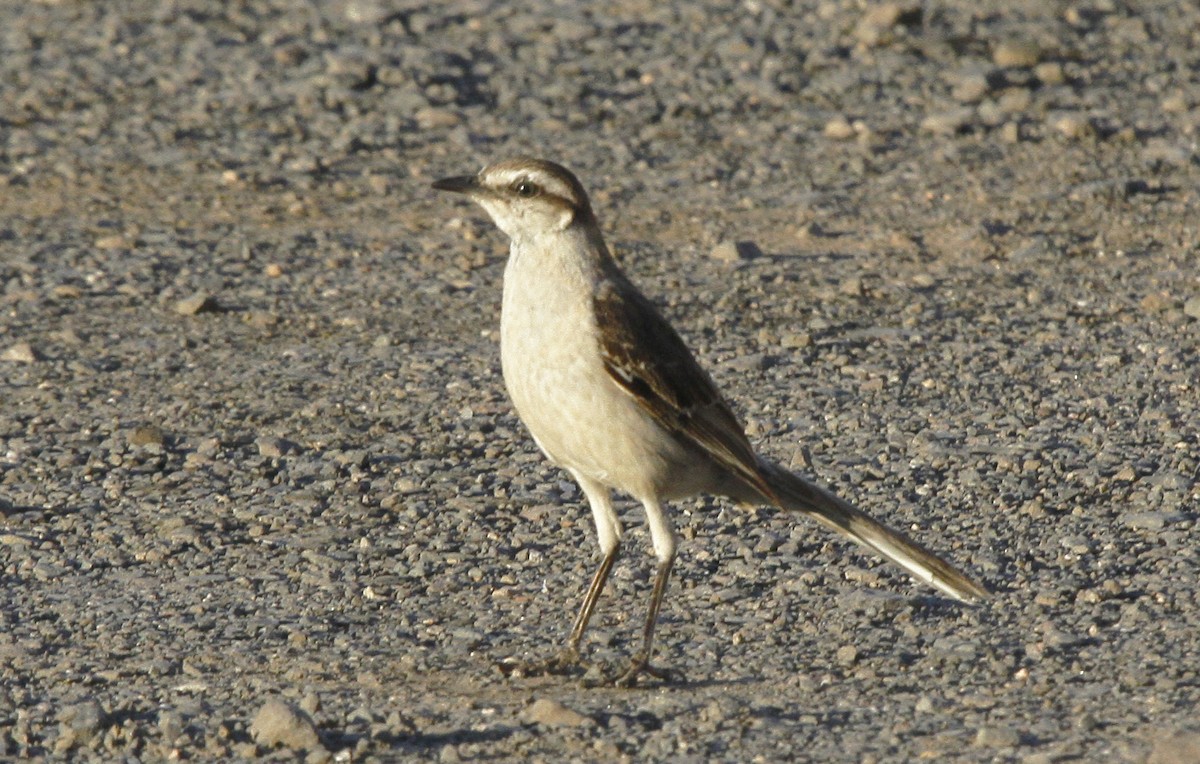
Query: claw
<point x="641" y="665"/>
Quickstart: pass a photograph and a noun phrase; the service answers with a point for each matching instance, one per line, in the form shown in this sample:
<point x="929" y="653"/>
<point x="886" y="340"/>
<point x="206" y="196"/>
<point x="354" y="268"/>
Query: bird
<point x="611" y="394"/>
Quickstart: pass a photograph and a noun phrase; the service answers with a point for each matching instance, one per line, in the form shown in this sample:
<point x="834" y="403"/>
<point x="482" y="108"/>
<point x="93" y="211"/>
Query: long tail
<point x="791" y="492"/>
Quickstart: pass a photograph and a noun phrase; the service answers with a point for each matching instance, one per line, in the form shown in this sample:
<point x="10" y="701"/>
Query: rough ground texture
<point x="256" y="461"/>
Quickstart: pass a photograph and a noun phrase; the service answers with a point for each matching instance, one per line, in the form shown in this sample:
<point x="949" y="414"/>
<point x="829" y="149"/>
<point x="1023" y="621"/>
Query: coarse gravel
<point x="262" y="493"/>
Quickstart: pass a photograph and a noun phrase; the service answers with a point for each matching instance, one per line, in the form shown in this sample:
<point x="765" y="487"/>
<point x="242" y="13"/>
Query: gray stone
<point x="170" y="726"/>
<point x="273" y="447"/>
<point x="78" y="725"/>
<point x="997" y="737"/>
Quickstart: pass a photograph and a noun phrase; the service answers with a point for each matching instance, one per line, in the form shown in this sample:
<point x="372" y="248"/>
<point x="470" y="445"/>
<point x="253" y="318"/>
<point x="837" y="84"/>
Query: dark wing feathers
<point x="647" y="358"/>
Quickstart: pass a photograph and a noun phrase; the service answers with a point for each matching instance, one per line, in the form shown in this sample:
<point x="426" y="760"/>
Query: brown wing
<point x="647" y="358"/>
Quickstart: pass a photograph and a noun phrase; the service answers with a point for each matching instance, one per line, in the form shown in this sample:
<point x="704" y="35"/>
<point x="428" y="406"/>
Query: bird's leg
<point x="608" y="530"/>
<point x="568" y="657"/>
<point x="589" y="601"/>
<point x="641" y="659"/>
<point x="570" y="654"/>
<point x="663" y="537"/>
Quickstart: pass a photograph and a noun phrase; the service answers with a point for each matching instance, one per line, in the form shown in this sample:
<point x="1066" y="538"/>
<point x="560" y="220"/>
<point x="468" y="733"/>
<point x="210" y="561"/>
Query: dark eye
<point x="526" y="188"/>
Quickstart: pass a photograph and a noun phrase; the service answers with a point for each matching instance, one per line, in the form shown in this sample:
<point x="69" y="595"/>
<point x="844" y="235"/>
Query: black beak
<point x="463" y="184"/>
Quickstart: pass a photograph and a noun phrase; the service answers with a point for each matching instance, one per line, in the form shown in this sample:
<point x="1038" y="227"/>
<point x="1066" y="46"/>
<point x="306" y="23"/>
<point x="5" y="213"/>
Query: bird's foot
<point x="639" y="666"/>
<point x="564" y="662"/>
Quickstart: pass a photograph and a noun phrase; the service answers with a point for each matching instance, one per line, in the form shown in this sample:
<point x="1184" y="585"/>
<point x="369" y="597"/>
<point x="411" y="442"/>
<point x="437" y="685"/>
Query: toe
<point x="641" y="666"/>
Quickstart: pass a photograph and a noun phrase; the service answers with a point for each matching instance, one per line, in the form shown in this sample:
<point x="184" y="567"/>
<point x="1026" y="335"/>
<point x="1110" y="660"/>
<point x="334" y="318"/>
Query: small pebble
<point x="78" y="725"/>
<point x="272" y="447"/>
<point x="115" y="241"/>
<point x="1157" y="302"/>
<point x="971" y="87"/>
<point x="554" y="714"/>
<point x="170" y="725"/>
<point x="735" y="251"/>
<point x="310" y="704"/>
<point x="1050" y="73"/>
<point x="795" y="339"/>
<point x="364" y="12"/>
<point x="147" y="435"/>
<point x="1149" y="521"/>
<point x="281" y="723"/>
<point x="1014" y="53"/>
<point x="199" y="302"/>
<point x="948" y="122"/>
<point x="839" y="129"/>
<point x="874" y="25"/>
<point x="1072" y="126"/>
<point x="1176" y="103"/>
<point x="997" y="737"/>
<point x="1014" y="100"/>
<point x="22" y="352"/>
<point x="435" y="119"/>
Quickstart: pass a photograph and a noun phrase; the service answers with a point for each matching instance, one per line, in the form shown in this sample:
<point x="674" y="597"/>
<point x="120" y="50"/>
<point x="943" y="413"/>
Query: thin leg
<point x="567" y="658"/>
<point x="608" y="531"/>
<point x="589" y="599"/>
<point x="663" y="536"/>
<point x="641" y="659"/>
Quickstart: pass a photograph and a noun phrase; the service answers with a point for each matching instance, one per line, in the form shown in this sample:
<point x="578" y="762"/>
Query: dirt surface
<point x="254" y="444"/>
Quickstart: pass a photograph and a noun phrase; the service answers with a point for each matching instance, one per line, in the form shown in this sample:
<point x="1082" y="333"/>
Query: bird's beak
<point x="463" y="184"/>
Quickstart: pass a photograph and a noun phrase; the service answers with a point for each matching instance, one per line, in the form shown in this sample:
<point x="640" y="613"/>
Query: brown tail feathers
<point x="791" y="492"/>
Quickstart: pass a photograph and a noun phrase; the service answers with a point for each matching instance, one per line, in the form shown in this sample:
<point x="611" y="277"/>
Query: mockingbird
<point x="612" y="395"/>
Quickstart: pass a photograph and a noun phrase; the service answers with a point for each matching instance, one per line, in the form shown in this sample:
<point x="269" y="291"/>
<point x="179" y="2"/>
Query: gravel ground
<point x="262" y="492"/>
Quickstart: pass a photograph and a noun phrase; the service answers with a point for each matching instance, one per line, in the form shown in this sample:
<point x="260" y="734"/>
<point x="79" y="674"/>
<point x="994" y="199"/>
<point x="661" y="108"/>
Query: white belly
<point x="580" y="417"/>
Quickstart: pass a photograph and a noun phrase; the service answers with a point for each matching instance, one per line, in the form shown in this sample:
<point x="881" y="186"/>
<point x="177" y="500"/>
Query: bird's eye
<point x="526" y="189"/>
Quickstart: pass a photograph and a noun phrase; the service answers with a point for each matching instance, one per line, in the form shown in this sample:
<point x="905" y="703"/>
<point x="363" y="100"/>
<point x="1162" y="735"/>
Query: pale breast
<point x="579" y="417"/>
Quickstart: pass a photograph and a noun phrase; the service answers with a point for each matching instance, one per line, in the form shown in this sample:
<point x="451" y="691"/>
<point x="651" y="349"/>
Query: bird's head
<point x="525" y="197"/>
